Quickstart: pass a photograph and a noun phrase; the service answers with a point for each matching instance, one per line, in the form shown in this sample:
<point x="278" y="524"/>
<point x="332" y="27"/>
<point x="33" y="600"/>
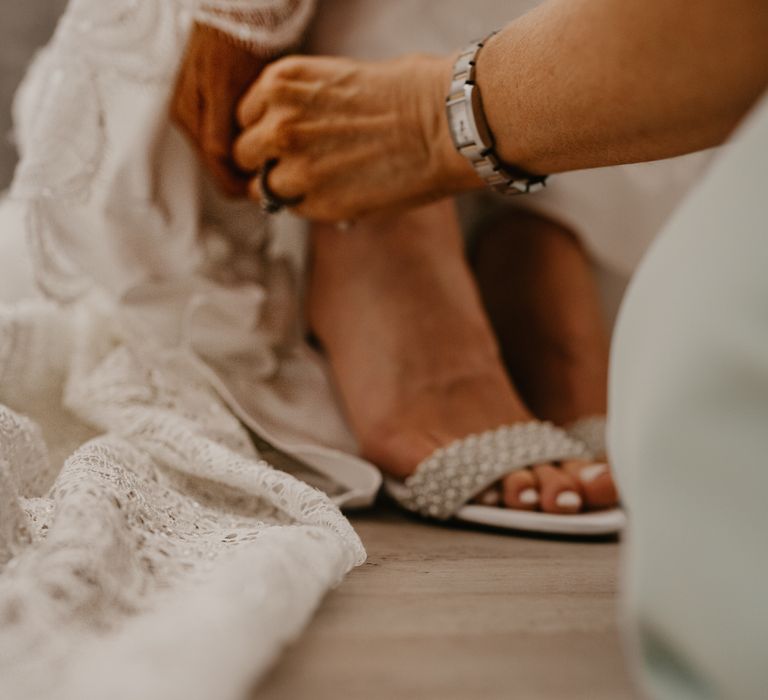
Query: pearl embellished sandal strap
<point x="452" y="475"/>
<point x="591" y="432"/>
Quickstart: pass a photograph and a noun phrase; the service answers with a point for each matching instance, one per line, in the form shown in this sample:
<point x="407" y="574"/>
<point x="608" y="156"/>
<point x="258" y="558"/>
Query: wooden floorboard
<point x="456" y="614"/>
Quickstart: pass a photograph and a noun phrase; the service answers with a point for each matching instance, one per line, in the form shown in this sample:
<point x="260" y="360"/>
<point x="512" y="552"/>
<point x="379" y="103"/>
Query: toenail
<point x="490" y="498"/>
<point x="529" y="497"/>
<point x="591" y="472"/>
<point x="568" y="499"/>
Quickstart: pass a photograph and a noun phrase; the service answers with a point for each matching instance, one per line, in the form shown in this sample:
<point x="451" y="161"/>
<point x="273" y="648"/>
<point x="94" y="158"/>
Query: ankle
<point x="427" y="413"/>
<point x="395" y="447"/>
<point x="562" y="385"/>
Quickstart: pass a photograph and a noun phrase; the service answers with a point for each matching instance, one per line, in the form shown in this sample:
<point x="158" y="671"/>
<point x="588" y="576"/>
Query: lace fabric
<point x="147" y="549"/>
<point x="163" y="504"/>
<point x="262" y="25"/>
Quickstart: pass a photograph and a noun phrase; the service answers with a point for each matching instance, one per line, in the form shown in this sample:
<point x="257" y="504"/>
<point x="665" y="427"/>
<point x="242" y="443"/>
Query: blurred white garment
<point x="17" y="281"/>
<point x="689" y="434"/>
<point x="115" y="202"/>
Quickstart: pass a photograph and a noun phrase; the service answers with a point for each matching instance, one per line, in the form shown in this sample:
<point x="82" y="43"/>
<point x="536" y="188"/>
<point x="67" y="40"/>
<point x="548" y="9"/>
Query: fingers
<point x="279" y="130"/>
<point x="254" y="105"/>
<point x="280" y="115"/>
<point x="256" y="145"/>
<point x="286" y="180"/>
<point x="345" y="132"/>
<point x="280" y="82"/>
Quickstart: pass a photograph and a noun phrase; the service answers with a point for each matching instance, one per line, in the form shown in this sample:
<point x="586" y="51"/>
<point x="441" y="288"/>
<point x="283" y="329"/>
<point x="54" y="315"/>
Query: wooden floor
<point x="457" y="614"/>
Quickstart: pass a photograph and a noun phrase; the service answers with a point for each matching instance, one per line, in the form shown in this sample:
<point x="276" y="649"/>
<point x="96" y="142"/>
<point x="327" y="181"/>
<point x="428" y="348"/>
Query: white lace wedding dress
<point x="147" y="548"/>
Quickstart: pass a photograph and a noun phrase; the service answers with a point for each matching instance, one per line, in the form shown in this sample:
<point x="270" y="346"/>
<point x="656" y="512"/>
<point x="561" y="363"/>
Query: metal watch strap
<point x="471" y="134"/>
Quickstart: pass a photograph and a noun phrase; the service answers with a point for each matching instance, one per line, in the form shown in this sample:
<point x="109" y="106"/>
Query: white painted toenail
<point x="568" y="499"/>
<point x="529" y="497"/>
<point x="490" y="498"/>
<point x="591" y="472"/>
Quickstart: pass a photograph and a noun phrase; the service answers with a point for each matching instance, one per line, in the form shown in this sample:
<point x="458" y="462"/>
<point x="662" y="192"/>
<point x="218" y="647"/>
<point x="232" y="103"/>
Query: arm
<point x="584" y="83"/>
<point x="573" y="84"/>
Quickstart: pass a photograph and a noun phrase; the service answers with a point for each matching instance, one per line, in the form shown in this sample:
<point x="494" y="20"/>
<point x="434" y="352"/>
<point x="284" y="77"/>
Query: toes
<point x="560" y="492"/>
<point x="596" y="482"/>
<point x="489" y="497"/>
<point x="566" y="489"/>
<point x="519" y="490"/>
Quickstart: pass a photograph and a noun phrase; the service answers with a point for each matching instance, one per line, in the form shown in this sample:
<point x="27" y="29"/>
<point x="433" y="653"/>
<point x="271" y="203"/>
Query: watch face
<point x="459" y="124"/>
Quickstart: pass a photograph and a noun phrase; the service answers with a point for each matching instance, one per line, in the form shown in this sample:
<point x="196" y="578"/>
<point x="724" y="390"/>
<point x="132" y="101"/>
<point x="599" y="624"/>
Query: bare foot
<point x="395" y="306"/>
<point x="540" y="294"/>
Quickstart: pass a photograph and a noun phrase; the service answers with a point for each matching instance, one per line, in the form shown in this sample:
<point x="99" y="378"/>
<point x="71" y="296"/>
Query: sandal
<point x="590" y="431"/>
<point x="443" y="485"/>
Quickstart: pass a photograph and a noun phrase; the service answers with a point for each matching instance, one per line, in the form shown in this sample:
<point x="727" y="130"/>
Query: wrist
<point x="502" y="109"/>
<point x="450" y="172"/>
<point x="471" y="133"/>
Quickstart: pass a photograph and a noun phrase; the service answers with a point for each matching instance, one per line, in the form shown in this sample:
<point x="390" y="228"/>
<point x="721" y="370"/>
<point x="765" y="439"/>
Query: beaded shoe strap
<point x="454" y="474"/>
<point x="591" y="432"/>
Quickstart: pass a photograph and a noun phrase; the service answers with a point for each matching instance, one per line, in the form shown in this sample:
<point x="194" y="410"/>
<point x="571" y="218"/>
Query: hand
<point x="215" y="74"/>
<point x="352" y="136"/>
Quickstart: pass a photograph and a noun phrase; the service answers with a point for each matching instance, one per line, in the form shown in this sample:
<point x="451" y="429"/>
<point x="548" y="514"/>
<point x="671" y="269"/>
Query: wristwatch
<point x="471" y="134"/>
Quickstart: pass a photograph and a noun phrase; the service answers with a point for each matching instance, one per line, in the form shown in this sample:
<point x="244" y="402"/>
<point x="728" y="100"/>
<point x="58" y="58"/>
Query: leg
<point x="542" y="300"/>
<point x="395" y="306"/>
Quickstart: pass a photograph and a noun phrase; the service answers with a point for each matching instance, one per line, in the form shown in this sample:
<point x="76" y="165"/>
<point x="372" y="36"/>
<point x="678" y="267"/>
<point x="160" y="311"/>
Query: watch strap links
<point x="471" y="134"/>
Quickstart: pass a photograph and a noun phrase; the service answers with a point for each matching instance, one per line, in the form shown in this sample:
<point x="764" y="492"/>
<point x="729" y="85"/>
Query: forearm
<point x="573" y="84"/>
<point x="584" y="83"/>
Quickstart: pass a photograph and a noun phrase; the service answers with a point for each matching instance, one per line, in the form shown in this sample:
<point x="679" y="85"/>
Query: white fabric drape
<point x="147" y="548"/>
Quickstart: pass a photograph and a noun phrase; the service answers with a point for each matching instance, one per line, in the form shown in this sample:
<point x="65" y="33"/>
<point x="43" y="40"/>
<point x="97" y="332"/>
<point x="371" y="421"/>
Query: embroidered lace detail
<point x="64" y="130"/>
<point x="145" y="522"/>
<point x="59" y="161"/>
<point x="56" y="275"/>
<point x="265" y="26"/>
<point x="137" y="39"/>
<point x="147" y="550"/>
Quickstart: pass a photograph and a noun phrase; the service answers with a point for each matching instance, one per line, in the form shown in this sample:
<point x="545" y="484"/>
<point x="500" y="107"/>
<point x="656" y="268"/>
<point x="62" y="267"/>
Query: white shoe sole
<point x="598" y="523"/>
